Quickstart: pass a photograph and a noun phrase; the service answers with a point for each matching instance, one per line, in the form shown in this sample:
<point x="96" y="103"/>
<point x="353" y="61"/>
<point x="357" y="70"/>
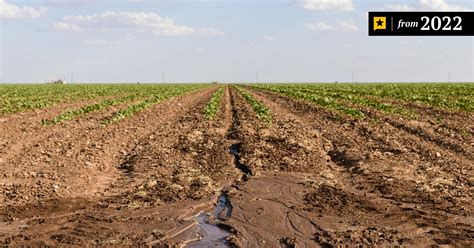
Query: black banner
<point x="421" y="23"/>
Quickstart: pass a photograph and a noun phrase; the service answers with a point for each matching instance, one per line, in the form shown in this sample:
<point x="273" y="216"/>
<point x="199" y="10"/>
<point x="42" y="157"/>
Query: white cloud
<point x="441" y="5"/>
<point x="10" y="11"/>
<point x="327" y="5"/>
<point x="140" y="21"/>
<point x="342" y="26"/>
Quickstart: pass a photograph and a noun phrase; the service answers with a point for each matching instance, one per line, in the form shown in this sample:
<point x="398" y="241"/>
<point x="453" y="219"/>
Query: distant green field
<point x="390" y="98"/>
<point x="25" y="97"/>
<point x="349" y="99"/>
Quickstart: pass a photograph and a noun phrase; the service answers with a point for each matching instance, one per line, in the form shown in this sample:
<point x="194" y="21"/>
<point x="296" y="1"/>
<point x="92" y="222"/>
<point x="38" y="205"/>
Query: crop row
<point x="212" y="107"/>
<point x="73" y="113"/>
<point x="262" y="112"/>
<point x="165" y="94"/>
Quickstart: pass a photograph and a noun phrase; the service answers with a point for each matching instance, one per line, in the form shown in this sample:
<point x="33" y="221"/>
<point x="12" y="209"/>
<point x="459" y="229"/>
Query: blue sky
<point x="221" y="40"/>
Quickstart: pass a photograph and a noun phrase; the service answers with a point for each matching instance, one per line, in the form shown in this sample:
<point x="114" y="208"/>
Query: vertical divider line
<point x="391" y="22"/>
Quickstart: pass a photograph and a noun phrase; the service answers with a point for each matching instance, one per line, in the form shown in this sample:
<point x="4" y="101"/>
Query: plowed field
<point x="270" y="169"/>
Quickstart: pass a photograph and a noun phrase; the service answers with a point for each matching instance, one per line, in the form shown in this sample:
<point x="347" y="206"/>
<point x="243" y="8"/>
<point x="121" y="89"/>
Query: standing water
<point x="208" y="231"/>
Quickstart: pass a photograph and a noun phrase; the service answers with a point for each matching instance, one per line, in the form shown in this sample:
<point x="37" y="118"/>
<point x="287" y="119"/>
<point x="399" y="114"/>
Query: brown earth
<point x="309" y="178"/>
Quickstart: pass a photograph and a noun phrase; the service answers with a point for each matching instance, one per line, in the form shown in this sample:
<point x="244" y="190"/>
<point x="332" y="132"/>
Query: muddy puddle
<point x="210" y="235"/>
<point x="209" y="232"/>
<point x="223" y="210"/>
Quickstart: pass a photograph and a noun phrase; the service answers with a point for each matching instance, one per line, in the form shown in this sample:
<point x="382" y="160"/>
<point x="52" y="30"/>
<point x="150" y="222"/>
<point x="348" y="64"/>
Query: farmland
<point x="262" y="165"/>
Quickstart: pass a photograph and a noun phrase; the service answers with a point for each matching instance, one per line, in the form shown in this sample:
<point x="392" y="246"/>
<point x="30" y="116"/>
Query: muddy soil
<point x="169" y="177"/>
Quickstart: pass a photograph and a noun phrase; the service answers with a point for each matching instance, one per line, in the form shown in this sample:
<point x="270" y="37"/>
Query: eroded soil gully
<point x="212" y="230"/>
<point x="234" y="135"/>
<point x="212" y="227"/>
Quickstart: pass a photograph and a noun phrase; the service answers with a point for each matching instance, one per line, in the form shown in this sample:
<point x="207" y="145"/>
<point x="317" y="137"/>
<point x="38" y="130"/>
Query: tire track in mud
<point x="359" y="179"/>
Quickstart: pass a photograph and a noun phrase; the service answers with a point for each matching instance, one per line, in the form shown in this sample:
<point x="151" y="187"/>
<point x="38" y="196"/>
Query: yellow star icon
<point x="380" y="23"/>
